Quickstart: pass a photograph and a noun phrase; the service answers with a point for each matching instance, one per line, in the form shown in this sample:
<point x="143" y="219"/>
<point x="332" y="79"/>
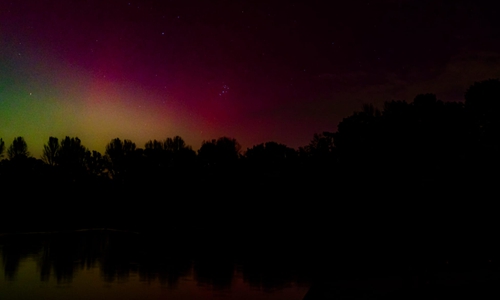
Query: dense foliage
<point x="404" y="150"/>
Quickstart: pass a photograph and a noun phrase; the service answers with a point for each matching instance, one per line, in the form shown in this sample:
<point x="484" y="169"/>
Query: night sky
<point x="256" y="71"/>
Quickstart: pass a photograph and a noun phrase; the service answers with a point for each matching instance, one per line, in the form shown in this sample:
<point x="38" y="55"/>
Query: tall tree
<point x="117" y="149"/>
<point x="221" y="152"/>
<point x="482" y="103"/>
<point x="18" y="149"/>
<point x="71" y="153"/>
<point x="356" y="138"/>
<point x="2" y="147"/>
<point x="482" y="106"/>
<point x="121" y="156"/>
<point x="322" y="145"/>
<point x="482" y="100"/>
<point x="70" y="157"/>
<point x="270" y="153"/>
<point x="154" y="145"/>
<point x="95" y="163"/>
<point x="270" y="159"/>
<point x="156" y="157"/>
<point x="175" y="144"/>
<point x="50" y="151"/>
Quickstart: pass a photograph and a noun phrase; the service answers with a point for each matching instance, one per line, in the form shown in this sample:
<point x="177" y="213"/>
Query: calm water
<point x="116" y="265"/>
<point x="218" y="264"/>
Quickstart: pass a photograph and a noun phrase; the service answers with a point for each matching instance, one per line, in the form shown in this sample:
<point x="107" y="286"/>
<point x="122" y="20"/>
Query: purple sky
<point x="252" y="70"/>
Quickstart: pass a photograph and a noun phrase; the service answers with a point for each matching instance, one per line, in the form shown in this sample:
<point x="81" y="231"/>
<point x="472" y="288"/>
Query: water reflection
<point x="107" y="264"/>
<point x="93" y="262"/>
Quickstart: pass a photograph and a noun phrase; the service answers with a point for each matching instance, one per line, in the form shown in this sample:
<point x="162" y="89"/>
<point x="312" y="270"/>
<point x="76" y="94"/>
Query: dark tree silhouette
<point x="21" y="168"/>
<point x="68" y="157"/>
<point x="156" y="157"/>
<point x="356" y="138"/>
<point x="183" y="158"/>
<point x="118" y="148"/>
<point x="322" y="143"/>
<point x="319" y="159"/>
<point x="222" y="152"/>
<point x="321" y="149"/>
<point x="170" y="160"/>
<point x="482" y="143"/>
<point x="175" y="144"/>
<point x="2" y="148"/>
<point x="422" y="140"/>
<point x="208" y="153"/>
<point x="270" y="154"/>
<point x="122" y="157"/>
<point x="18" y="149"/>
<point x="71" y="153"/>
<point x="95" y="163"/>
<point x="154" y="145"/>
<point x="482" y="103"/>
<point x="270" y="164"/>
<point x="51" y="151"/>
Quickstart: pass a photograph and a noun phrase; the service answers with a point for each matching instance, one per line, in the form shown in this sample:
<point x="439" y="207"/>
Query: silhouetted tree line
<point x="425" y="141"/>
<point x="426" y="138"/>
<point x="405" y="146"/>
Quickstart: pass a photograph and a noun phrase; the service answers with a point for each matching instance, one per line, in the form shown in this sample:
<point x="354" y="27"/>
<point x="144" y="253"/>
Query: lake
<point x="108" y="264"/>
<point x="213" y="262"/>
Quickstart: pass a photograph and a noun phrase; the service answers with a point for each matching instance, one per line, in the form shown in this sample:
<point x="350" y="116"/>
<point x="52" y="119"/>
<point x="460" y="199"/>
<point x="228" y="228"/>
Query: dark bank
<point x="397" y="202"/>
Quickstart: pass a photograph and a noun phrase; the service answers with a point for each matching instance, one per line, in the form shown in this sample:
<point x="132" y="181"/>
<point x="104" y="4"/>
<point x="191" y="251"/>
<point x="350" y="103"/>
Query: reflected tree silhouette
<point x="11" y="260"/>
<point x="118" y="254"/>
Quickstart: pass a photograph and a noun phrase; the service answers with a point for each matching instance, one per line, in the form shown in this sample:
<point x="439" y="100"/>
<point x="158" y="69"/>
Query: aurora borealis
<point x="255" y="71"/>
